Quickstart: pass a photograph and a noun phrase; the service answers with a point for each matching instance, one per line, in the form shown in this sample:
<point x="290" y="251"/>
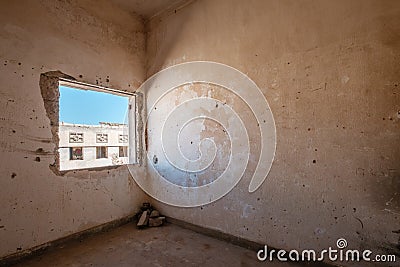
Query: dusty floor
<point x="169" y="245"/>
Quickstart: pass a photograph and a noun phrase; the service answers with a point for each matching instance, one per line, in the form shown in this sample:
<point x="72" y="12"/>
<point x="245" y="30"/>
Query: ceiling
<point x="148" y="8"/>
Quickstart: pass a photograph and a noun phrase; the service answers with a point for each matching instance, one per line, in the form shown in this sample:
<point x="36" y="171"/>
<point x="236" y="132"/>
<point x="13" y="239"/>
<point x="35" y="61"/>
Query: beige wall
<point x="88" y="38"/>
<point x="330" y="72"/>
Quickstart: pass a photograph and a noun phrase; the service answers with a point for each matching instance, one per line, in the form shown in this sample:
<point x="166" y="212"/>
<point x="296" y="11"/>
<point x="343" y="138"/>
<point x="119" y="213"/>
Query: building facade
<point x="90" y="146"/>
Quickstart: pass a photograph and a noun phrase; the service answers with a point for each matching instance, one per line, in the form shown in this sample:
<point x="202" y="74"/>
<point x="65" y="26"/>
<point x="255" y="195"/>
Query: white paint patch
<point x="168" y="132"/>
<point x="247" y="210"/>
<point x="345" y="79"/>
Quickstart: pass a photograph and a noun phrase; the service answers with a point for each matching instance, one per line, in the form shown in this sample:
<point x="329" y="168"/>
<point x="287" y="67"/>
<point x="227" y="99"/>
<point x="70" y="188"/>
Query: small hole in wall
<point x="155" y="159"/>
<point x="314" y="161"/>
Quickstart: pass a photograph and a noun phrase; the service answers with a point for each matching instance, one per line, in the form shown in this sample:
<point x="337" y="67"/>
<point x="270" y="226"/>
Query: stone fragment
<point x="144" y="219"/>
<point x="154" y="222"/>
<point x="154" y="214"/>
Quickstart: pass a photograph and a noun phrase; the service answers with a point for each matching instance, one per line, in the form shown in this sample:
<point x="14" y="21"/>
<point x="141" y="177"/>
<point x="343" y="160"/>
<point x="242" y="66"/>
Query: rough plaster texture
<point x="94" y="42"/>
<point x="178" y="127"/>
<point x="330" y="71"/>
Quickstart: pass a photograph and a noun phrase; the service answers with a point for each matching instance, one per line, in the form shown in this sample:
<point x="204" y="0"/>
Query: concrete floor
<point x="169" y="245"/>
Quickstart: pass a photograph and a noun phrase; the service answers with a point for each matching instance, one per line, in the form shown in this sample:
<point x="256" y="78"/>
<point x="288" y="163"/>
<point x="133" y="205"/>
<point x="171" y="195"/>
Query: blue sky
<point x="90" y="107"/>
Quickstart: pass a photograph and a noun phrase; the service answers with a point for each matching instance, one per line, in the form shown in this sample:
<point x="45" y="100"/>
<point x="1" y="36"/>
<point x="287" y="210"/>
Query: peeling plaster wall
<point x="94" y="42"/>
<point x="330" y="72"/>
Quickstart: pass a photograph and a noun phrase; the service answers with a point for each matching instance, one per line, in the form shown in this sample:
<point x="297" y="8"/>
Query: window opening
<point x="91" y="115"/>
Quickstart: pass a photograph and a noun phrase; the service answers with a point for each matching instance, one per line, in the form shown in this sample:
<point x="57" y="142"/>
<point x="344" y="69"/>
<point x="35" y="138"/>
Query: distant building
<point x="88" y="146"/>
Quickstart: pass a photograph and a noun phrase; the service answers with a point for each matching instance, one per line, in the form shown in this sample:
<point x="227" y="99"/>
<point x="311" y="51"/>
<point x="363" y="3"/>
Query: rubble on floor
<point x="149" y="217"/>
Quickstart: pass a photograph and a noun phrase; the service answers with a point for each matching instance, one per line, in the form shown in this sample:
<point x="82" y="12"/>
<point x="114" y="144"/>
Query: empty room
<point x="199" y="133"/>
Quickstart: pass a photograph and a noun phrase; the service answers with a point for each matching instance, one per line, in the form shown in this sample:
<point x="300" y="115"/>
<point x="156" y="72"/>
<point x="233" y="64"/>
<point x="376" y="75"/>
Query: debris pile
<point x="149" y="217"/>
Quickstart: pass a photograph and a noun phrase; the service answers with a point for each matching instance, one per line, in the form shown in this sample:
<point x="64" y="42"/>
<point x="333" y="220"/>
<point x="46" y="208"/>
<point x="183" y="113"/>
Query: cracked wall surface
<point x="330" y="72"/>
<point x="93" y="42"/>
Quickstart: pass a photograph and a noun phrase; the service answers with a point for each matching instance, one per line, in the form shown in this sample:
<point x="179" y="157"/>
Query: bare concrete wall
<point x="330" y="72"/>
<point x="94" y="42"/>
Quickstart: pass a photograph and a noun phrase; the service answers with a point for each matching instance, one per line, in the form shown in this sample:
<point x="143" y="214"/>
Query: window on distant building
<point x="123" y="138"/>
<point x="76" y="153"/>
<point x="76" y="137"/>
<point x="101" y="138"/>
<point x="123" y="151"/>
<point x="101" y="152"/>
